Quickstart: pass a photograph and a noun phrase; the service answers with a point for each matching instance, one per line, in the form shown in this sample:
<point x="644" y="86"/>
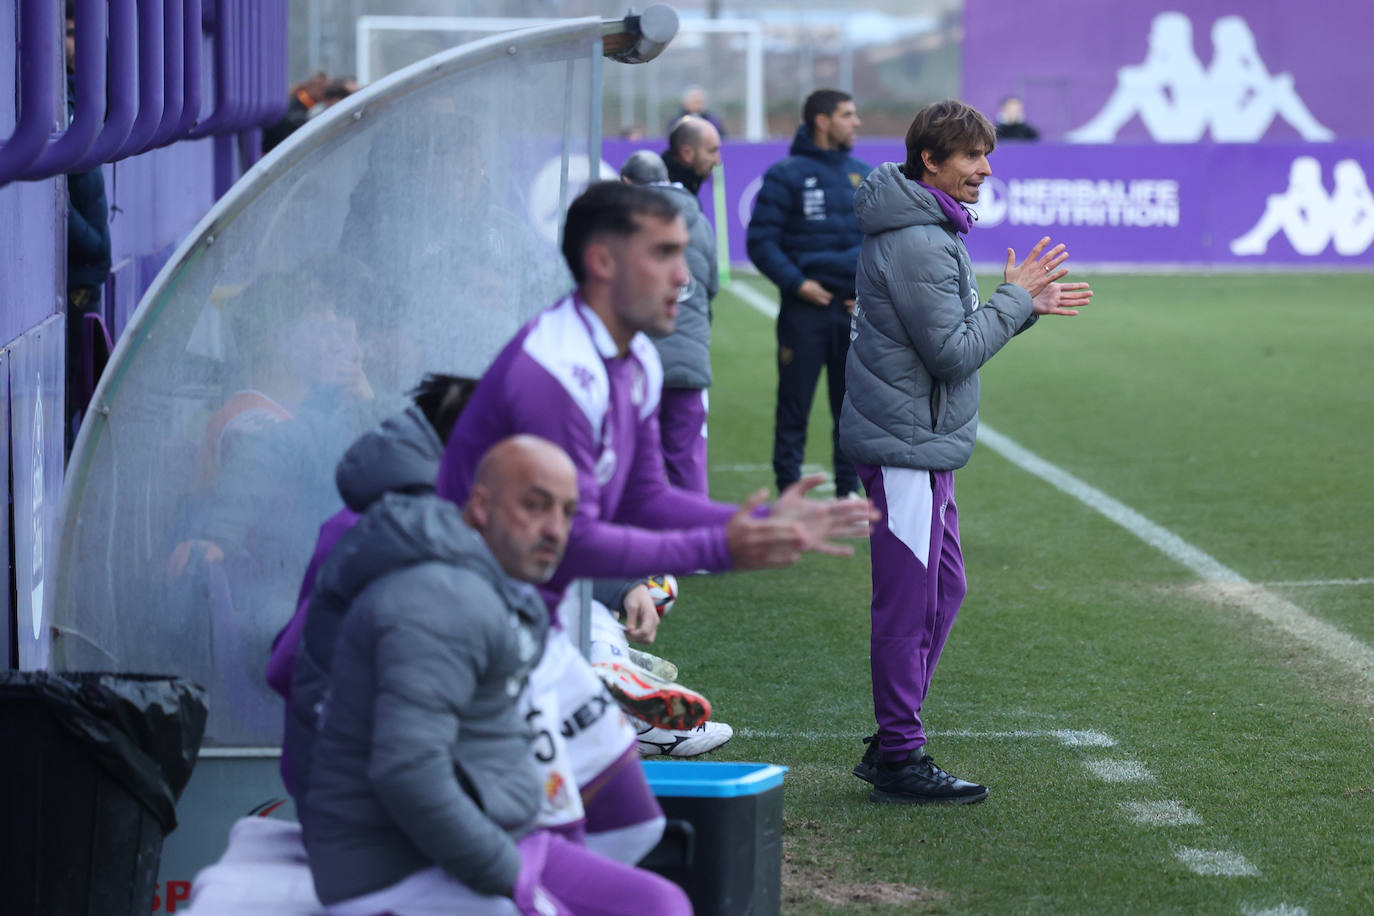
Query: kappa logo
<point x="1310" y="218"/>
<point x="584" y="377"/>
<point x="1178" y="100"/>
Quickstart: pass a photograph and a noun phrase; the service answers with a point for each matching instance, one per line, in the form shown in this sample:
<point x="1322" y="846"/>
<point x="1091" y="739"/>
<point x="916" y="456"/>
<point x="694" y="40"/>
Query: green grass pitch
<point x="1152" y="745"/>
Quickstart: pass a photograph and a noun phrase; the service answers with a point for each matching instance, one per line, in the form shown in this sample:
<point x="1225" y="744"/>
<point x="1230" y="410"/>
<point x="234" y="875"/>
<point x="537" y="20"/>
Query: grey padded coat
<point x="421" y="755"/>
<point x="686" y="353"/>
<point x="919" y="334"/>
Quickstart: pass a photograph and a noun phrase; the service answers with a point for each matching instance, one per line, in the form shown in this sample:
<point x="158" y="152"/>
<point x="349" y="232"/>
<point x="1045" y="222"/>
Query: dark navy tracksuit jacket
<point x="804" y="228"/>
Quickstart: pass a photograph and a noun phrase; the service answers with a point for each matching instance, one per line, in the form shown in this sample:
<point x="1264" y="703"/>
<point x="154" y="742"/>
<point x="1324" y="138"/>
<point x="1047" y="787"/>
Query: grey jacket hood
<point x="401" y="531"/>
<point x="888" y="200"/>
<point x="402" y="455"/>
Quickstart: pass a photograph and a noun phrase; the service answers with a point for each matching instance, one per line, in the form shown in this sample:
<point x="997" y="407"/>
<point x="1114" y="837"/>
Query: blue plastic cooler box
<point x="731" y="860"/>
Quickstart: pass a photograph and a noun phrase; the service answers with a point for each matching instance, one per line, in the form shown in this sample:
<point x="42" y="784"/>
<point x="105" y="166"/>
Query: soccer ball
<point x="663" y="590"/>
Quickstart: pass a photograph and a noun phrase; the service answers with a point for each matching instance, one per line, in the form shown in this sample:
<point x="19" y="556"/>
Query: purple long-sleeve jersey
<point x="561" y="378"/>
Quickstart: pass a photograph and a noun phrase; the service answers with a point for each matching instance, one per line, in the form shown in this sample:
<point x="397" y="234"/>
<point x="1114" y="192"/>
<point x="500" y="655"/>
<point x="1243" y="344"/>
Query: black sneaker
<point x="918" y="781"/>
<point x="873" y="756"/>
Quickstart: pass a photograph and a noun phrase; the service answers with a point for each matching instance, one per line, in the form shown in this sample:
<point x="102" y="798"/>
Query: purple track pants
<point x="918" y="585"/>
<point x="682" y="427"/>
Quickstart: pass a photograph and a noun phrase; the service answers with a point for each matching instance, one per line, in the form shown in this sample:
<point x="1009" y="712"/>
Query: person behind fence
<point x="911" y="414"/>
<point x="88" y="254"/>
<point x="1011" y="121"/>
<point x="584" y="374"/>
<point x="304" y="97"/>
<point x="694" y="103"/>
<point x="804" y="238"/>
<point x="422" y="790"/>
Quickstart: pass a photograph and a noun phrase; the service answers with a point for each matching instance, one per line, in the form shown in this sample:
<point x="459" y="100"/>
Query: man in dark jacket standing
<point x="803" y="236"/>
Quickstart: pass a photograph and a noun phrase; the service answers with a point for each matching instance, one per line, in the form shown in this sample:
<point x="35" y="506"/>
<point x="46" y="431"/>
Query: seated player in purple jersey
<point x="584" y="375"/>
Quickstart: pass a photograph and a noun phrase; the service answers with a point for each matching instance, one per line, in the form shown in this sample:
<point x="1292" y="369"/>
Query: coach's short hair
<point x="822" y="102"/>
<point x="945" y="128"/>
<point x="609" y="208"/>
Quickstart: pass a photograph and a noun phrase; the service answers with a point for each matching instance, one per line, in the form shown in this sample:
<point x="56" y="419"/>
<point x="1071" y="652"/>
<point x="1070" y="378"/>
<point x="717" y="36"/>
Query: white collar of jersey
<point x="601" y="337"/>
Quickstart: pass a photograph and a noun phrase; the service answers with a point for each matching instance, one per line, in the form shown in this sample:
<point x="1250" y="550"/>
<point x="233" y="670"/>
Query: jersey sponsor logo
<point x="1177" y="99"/>
<point x="813" y="203"/>
<point x="587" y="715"/>
<point x="1146" y="202"/>
<point x="1310" y="218"/>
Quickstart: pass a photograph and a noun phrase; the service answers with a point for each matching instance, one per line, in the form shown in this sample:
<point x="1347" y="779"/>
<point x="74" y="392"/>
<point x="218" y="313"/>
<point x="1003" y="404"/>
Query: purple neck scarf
<point x="952" y="208"/>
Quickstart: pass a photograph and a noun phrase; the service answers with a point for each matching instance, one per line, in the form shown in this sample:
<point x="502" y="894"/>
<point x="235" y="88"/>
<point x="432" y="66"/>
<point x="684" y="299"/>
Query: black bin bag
<point x="91" y="766"/>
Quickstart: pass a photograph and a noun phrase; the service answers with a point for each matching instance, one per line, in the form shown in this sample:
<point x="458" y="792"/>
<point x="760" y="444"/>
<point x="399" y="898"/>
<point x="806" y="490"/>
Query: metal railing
<point x="138" y="82"/>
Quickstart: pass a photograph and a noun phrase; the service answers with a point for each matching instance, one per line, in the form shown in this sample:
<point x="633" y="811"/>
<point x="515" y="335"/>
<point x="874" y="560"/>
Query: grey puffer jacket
<point x="421" y="756"/>
<point x="918" y="335"/>
<point x="401" y="456"/>
<point x="686" y="353"/>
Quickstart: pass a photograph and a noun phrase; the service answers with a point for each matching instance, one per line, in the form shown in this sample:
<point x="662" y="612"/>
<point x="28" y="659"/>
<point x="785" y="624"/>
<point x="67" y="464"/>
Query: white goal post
<point x="749" y="28"/>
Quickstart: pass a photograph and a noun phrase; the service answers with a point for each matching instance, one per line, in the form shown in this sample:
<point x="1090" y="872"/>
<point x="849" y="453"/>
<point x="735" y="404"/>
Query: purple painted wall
<point x="155" y="199"/>
<point x="1067" y="60"/>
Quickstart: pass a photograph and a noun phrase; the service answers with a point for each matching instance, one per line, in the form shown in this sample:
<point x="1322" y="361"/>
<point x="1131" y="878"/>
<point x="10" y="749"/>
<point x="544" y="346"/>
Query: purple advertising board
<point x="1135" y="204"/>
<point x="1151" y="71"/>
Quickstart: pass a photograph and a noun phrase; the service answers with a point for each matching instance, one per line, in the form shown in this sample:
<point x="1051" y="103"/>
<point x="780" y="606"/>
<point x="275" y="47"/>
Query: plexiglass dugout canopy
<point x="412" y="228"/>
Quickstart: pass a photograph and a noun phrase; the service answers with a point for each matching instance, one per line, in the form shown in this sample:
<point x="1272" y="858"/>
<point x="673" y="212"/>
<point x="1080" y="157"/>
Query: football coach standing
<point x="805" y="238"/>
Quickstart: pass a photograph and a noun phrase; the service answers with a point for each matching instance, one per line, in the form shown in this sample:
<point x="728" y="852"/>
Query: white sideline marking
<point x="1216" y="862"/>
<point x="1160" y="813"/>
<point x="1282" y="909"/>
<point x="754" y="299"/>
<point x="1222" y="585"/>
<point x="1319" y="583"/>
<point x="1119" y="770"/>
<point x="1067" y="737"/>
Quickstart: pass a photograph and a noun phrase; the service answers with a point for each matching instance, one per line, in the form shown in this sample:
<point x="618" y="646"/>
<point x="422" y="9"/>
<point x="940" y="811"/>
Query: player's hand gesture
<point x="1037" y="275"/>
<point x="763" y="542"/>
<point x="825" y="520"/>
